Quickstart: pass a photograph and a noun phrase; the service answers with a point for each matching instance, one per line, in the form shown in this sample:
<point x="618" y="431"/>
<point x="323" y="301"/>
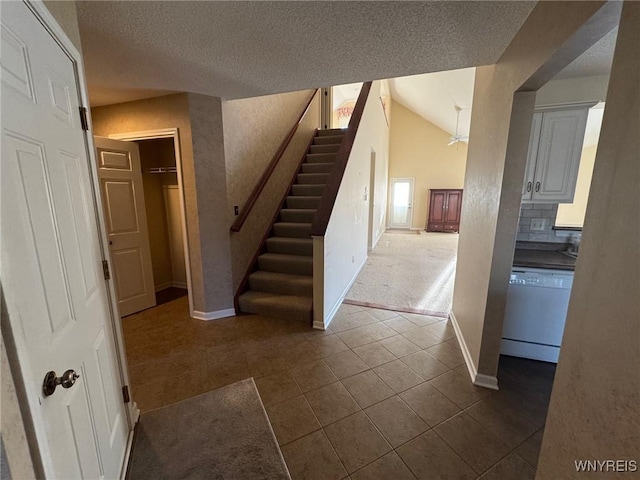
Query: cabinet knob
<point x="529" y="185"/>
<point x="537" y="186"/>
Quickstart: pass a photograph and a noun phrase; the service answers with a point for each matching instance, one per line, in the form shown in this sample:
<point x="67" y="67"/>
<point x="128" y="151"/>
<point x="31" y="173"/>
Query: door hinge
<point x="125" y="394"/>
<point x="83" y="118"/>
<point x="105" y="270"/>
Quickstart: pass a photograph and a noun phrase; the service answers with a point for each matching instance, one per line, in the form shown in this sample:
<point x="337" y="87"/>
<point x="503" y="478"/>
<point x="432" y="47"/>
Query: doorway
<point x="400" y="203"/>
<point x="161" y="167"/>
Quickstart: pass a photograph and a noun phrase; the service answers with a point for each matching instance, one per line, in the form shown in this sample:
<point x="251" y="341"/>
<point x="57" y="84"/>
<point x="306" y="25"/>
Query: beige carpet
<point x="409" y="272"/>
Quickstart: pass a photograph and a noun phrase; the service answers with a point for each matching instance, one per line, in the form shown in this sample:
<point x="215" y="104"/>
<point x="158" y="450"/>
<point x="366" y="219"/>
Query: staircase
<point x="282" y="283"/>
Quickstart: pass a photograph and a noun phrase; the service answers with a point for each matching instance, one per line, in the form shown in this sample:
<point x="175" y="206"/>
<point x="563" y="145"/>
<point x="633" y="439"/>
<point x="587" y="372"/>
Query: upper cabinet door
<point x="532" y="154"/>
<point x="558" y="158"/>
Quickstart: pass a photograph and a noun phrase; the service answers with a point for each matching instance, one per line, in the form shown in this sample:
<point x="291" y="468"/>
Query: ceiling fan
<point x="457" y="137"/>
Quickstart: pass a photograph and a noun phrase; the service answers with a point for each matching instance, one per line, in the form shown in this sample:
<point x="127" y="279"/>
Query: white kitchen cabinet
<point x="555" y="147"/>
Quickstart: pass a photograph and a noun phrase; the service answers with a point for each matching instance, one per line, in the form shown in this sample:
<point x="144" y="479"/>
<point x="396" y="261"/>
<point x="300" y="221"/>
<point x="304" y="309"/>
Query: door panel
<point x="452" y="210"/>
<point x="50" y="255"/>
<point x="123" y="203"/>
<point x="532" y="154"/>
<point x="401" y="200"/>
<point x="436" y="209"/>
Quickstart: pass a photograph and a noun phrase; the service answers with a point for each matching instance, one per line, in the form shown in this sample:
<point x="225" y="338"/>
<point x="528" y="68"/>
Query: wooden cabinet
<point x="555" y="147"/>
<point x="444" y="210"/>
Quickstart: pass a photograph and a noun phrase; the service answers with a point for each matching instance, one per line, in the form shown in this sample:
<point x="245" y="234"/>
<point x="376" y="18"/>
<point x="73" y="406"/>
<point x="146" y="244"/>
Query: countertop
<point x="543" y="259"/>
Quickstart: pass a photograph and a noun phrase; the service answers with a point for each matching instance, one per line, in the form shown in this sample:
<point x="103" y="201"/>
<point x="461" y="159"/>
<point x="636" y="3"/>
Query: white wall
<point x="345" y="241"/>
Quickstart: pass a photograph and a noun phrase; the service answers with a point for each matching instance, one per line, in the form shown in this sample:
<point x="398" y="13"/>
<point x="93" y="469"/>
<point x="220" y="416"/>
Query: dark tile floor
<point x="380" y="394"/>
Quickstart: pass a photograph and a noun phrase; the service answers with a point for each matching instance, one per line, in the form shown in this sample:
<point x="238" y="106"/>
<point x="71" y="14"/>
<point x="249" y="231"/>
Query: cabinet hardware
<point x="528" y="186"/>
<point x="537" y="186"/>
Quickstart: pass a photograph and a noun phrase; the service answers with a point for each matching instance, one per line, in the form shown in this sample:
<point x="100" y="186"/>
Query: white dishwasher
<point x="537" y="302"/>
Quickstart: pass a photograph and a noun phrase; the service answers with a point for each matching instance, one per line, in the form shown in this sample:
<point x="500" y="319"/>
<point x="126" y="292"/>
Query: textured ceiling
<point x="434" y="96"/>
<point x="595" y="61"/>
<point x="240" y="49"/>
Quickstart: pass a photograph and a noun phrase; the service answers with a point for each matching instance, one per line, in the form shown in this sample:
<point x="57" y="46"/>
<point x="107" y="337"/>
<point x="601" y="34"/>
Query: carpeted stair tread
<point x="317" y="167"/>
<point x="286" y="307"/>
<point x="308" y="190"/>
<point x="312" y="178"/>
<point x="290" y="246"/>
<point x="281" y="283"/>
<point x="324" y="149"/>
<point x="297" y="215"/>
<point x="328" y="140"/>
<point x="303" y="202"/>
<point x="283" y="263"/>
<point x="292" y="230"/>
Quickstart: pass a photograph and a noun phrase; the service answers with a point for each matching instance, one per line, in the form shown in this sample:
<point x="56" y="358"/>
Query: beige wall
<point x="594" y="411"/>
<point x="418" y="149"/>
<point x="491" y="203"/>
<point x="64" y="11"/>
<point x="572" y="214"/>
<point x="202" y="152"/>
<point x="254" y="128"/>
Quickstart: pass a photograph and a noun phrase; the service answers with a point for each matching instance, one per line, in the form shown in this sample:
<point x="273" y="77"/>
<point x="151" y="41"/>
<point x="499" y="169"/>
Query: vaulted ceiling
<point x="137" y="49"/>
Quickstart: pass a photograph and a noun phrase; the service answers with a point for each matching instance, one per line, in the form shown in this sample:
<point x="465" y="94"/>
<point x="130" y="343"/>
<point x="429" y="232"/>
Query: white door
<point x="126" y="221"/>
<point x="400" y="203"/>
<point x="56" y="296"/>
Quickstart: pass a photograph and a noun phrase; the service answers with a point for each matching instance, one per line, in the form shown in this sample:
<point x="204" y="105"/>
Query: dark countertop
<point x="543" y="259"/>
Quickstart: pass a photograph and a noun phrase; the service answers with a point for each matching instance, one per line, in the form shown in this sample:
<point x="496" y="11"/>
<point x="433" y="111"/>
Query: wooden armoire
<point x="444" y="210"/>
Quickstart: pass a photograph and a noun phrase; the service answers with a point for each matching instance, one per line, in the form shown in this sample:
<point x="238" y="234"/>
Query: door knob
<point x="51" y="381"/>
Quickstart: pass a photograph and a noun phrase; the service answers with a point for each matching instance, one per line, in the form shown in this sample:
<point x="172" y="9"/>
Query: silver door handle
<point x="537" y="186"/>
<point x="67" y="380"/>
<point x="529" y="185"/>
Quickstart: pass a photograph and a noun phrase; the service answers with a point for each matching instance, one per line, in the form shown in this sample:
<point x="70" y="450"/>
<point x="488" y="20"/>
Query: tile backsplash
<point x="532" y="214"/>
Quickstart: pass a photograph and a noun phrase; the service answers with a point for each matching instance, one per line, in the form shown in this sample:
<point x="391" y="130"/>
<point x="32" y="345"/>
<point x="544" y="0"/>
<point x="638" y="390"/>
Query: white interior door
<point x="126" y="221"/>
<point x="401" y="203"/>
<point x="56" y="296"/>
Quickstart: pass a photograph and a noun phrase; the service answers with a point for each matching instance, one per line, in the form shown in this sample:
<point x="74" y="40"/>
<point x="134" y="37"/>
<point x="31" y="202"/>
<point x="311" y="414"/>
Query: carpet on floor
<point x="222" y="434"/>
<point x="409" y="273"/>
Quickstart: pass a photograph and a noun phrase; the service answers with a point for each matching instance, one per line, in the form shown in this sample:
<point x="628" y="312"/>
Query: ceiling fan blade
<point x="452" y="141"/>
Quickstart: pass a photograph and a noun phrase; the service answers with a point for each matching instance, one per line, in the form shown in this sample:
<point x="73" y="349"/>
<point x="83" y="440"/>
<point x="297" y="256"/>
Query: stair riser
<point x="297" y="217"/>
<point x="302" y="289"/>
<point x="303" y="202"/>
<point x="292" y="231"/>
<point x="331" y="132"/>
<point x="308" y="190"/>
<point x="320" y="158"/>
<point x="324" y="148"/>
<point x="332" y="140"/>
<point x="280" y="245"/>
<point x="271" y="311"/>
<point x="293" y="266"/>
<point x="312" y="178"/>
<point x="317" y="167"/>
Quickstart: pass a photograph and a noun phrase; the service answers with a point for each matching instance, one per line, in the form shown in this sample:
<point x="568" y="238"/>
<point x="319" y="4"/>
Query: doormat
<point x="222" y="434"/>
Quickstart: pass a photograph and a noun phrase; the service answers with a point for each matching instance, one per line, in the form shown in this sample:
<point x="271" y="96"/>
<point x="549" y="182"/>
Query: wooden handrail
<point x="323" y="214"/>
<point x="257" y="190"/>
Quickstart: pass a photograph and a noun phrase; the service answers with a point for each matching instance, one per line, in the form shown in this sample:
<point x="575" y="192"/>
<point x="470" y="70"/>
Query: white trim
<point x="329" y="317"/>
<point x="175" y="134"/>
<point x="412" y="182"/>
<point x="477" y="379"/>
<point x="163" y="286"/>
<point x="229" y="312"/>
<point x="180" y="285"/>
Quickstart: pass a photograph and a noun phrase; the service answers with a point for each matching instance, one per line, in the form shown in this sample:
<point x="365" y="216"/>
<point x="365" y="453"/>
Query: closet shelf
<point x="160" y="170"/>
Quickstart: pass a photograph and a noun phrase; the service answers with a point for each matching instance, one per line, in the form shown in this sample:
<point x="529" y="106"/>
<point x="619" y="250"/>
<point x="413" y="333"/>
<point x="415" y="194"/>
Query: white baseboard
<point x="179" y="284"/>
<point x="334" y="309"/>
<point x="229" y="312"/>
<point x="163" y="286"/>
<point x="477" y="379"/>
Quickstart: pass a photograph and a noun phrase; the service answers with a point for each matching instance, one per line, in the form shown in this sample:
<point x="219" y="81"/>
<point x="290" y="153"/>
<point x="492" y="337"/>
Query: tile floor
<point x="379" y="395"/>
